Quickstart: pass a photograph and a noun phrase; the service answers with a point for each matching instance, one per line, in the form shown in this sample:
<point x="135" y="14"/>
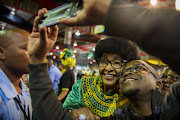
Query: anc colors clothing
<point x="66" y="82"/>
<point x="87" y="92"/>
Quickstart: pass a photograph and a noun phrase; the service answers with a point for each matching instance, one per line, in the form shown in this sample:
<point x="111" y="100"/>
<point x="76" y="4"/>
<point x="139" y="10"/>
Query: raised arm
<point x="156" y="30"/>
<point x="44" y="101"/>
<point x="153" y="29"/>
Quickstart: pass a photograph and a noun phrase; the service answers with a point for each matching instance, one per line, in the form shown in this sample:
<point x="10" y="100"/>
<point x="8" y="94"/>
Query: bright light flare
<point x="153" y="2"/>
<point x="177" y="5"/>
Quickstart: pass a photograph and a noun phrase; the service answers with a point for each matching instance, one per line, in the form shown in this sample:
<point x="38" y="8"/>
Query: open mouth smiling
<point x="129" y="78"/>
<point x="109" y="76"/>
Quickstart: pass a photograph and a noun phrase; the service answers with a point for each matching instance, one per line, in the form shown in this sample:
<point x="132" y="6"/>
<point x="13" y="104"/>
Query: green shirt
<point x="87" y="92"/>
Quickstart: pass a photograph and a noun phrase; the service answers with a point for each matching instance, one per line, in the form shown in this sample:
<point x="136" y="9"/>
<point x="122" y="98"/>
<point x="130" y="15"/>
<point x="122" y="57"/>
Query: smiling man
<point x="140" y="83"/>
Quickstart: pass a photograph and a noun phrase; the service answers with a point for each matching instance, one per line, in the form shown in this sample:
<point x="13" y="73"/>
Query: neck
<point x="15" y="80"/>
<point x="110" y="89"/>
<point x="141" y="104"/>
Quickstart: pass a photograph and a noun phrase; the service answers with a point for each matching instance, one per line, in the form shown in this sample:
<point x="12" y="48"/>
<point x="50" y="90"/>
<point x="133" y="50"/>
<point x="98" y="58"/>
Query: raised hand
<point x="41" y="40"/>
<point x="92" y="13"/>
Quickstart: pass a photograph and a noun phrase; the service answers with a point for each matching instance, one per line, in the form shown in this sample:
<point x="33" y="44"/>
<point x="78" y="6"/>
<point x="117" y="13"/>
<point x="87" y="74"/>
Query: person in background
<point x="148" y="27"/>
<point x="54" y="74"/>
<point x="82" y="76"/>
<point x="141" y="84"/>
<point x="168" y="78"/>
<point x="61" y="68"/>
<point x="99" y="96"/>
<point x="15" y="101"/>
<point x="66" y="82"/>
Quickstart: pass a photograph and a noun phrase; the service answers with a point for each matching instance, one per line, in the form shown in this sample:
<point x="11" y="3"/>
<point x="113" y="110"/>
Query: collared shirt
<point x="9" y="108"/>
<point x="55" y="75"/>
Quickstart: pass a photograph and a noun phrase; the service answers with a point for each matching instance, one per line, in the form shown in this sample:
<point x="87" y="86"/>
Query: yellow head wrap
<point x="68" y="58"/>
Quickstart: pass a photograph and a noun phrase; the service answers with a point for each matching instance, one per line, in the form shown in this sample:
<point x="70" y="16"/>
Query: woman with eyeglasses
<point x="96" y="97"/>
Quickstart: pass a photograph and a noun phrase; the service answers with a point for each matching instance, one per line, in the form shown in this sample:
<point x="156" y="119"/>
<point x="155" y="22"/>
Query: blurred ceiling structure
<point x="21" y="13"/>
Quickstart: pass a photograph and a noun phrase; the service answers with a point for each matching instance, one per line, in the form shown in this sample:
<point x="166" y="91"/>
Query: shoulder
<point x="89" y="83"/>
<point x="1" y="99"/>
<point x="4" y="114"/>
<point x="3" y="106"/>
<point x="83" y="81"/>
<point x="175" y="89"/>
<point x="91" y="79"/>
<point x="67" y="72"/>
<point x="55" y="68"/>
<point x="79" y="82"/>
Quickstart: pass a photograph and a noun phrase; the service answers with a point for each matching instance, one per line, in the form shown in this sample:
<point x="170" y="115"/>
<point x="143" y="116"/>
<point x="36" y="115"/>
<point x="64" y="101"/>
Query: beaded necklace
<point x="103" y="94"/>
<point x="101" y="104"/>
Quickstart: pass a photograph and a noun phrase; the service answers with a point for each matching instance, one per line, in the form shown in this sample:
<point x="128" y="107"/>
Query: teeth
<point x="129" y="79"/>
<point x="109" y="75"/>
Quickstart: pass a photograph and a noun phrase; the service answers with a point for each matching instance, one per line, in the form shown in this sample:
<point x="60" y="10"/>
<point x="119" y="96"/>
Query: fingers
<point x="89" y="114"/>
<point x="69" y="21"/>
<point x="54" y="30"/>
<point x="36" y="23"/>
<point x="80" y="19"/>
<point x="38" y="18"/>
<point x="74" y="114"/>
<point x="44" y="10"/>
<point x="85" y="110"/>
<point x="76" y="117"/>
<point x="43" y="34"/>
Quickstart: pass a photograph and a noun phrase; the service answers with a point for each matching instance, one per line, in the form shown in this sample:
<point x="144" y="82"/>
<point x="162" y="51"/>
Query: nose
<point x="128" y="73"/>
<point x="109" y="67"/>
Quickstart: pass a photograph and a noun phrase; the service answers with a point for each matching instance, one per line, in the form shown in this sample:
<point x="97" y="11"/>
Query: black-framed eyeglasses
<point x="117" y="64"/>
<point x="136" y="68"/>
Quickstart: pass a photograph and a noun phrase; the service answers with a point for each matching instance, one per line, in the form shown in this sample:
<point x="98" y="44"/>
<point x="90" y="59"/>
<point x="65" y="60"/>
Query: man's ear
<point x="2" y="54"/>
<point x="159" y="85"/>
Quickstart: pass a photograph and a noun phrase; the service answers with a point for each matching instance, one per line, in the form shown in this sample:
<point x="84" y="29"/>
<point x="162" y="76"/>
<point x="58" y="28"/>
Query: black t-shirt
<point x="66" y="82"/>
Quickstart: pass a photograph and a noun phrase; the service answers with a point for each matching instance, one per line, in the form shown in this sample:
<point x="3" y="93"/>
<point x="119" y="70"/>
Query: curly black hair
<point x="127" y="49"/>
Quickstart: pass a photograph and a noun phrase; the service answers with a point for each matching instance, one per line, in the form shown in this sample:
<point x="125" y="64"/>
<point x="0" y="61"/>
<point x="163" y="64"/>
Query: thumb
<point x="43" y="34"/>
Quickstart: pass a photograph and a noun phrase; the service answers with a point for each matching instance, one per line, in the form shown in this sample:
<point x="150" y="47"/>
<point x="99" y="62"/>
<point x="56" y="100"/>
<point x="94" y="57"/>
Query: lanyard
<point x="23" y="110"/>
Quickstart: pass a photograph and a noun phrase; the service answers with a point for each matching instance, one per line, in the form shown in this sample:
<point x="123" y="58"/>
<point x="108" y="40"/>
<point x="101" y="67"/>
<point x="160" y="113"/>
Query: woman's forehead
<point x="111" y="55"/>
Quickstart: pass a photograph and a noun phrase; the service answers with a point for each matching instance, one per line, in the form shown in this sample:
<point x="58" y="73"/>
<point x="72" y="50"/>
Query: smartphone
<point x="53" y="16"/>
